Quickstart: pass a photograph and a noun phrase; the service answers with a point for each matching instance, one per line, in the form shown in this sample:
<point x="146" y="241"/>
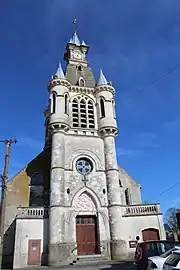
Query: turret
<point x="59" y="100"/>
<point x="106" y="115"/>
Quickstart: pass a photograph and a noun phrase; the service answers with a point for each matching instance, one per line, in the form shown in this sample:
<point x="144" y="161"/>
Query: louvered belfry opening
<point x="83" y="114"/>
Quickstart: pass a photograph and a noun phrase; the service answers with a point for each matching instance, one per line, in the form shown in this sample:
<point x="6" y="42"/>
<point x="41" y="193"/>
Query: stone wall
<point x="128" y="182"/>
<point x="18" y="194"/>
<point x="134" y="226"/>
<point x="27" y="229"/>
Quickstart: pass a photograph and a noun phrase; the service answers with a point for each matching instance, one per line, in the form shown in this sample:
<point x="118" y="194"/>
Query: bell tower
<point x="82" y="124"/>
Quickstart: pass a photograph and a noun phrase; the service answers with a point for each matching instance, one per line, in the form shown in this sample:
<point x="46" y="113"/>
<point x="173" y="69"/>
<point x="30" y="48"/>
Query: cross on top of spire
<point x="75" y="40"/>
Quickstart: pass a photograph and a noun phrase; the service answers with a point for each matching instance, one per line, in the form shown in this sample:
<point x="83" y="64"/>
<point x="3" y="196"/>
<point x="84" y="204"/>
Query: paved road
<point x="90" y="266"/>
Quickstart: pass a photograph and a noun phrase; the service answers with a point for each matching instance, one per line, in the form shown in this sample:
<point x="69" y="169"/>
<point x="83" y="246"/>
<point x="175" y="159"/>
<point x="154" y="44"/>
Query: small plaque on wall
<point x="132" y="244"/>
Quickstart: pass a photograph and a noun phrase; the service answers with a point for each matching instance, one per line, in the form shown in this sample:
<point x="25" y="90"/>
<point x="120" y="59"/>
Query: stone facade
<point x="76" y="175"/>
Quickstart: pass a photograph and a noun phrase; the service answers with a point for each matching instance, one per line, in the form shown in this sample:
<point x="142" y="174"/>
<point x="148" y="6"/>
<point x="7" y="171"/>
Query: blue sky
<point x="134" y="42"/>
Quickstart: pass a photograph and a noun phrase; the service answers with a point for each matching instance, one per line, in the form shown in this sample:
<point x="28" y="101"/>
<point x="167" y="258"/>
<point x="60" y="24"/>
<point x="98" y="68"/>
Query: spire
<point x="75" y="39"/>
<point x="83" y="43"/>
<point x="102" y="80"/>
<point x="59" y="72"/>
<point x="70" y="41"/>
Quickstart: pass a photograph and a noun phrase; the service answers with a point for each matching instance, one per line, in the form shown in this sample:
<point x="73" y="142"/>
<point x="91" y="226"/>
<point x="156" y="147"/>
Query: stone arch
<point x="81" y="82"/>
<point x="102" y="107"/>
<point x="53" y="102"/>
<point x="84" y="96"/>
<point x="88" y="192"/>
<point x="98" y="164"/>
<point x="36" y="194"/>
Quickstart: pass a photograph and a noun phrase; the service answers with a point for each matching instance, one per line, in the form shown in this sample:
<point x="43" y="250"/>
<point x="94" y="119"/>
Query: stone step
<point x="90" y="259"/>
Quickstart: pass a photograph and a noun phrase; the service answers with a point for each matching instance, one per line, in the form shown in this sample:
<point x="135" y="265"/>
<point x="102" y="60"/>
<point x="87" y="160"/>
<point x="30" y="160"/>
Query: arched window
<point x="47" y="127"/>
<point x="75" y="113"/>
<point x="91" y="114"/>
<point x="36" y="190"/>
<point x="114" y="109"/>
<point x="49" y="106"/>
<point x="54" y="102"/>
<point x="83" y="113"/>
<point x="83" y="116"/>
<point x="127" y="196"/>
<point x="120" y="183"/>
<point x="81" y="82"/>
<point x="102" y="107"/>
<point x="66" y="104"/>
<point x="79" y="68"/>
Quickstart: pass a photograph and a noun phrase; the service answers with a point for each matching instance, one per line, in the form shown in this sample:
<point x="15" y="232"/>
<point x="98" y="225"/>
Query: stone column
<point x="114" y="198"/>
<point x="56" y="208"/>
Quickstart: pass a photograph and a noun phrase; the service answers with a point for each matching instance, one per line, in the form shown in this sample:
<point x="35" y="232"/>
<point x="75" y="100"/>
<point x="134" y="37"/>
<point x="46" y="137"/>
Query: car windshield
<point x="167" y="253"/>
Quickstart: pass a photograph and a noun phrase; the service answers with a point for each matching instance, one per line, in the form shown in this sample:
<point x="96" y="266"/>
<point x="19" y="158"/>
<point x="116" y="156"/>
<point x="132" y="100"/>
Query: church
<point x="73" y="201"/>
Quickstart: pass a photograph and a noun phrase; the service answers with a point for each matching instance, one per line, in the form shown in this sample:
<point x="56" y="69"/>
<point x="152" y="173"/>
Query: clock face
<point x="77" y="55"/>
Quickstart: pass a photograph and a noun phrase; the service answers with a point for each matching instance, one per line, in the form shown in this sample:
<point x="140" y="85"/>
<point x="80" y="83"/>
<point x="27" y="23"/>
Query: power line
<point x="171" y="187"/>
<point x="153" y="82"/>
<point x="166" y="190"/>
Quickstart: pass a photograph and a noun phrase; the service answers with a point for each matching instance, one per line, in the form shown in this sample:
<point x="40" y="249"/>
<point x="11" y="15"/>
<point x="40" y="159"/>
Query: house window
<point x="102" y="107"/>
<point x="127" y="196"/>
<point x="54" y="102"/>
<point x="83" y="113"/>
<point x="36" y="190"/>
<point x="66" y="104"/>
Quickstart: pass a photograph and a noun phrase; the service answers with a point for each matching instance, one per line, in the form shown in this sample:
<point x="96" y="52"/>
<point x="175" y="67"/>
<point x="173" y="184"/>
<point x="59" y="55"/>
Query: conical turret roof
<point x="75" y="39"/>
<point x="83" y="43"/>
<point x="102" y="80"/>
<point x="59" y="72"/>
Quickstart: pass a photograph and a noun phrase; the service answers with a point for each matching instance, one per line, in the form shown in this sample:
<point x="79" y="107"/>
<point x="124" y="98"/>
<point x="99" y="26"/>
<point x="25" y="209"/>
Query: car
<point x="158" y="247"/>
<point x="156" y="262"/>
<point x="173" y="261"/>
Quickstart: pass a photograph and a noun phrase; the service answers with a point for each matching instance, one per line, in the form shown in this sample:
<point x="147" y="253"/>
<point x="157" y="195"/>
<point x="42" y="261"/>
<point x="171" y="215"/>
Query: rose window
<point x="84" y="166"/>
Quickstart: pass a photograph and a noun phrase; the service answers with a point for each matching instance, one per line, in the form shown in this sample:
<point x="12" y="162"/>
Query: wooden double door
<point x="86" y="235"/>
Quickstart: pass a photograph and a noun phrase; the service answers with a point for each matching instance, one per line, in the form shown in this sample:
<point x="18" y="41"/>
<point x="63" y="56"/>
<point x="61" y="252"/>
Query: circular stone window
<point x="84" y="166"/>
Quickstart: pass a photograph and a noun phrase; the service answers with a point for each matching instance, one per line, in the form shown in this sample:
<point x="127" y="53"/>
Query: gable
<point x="126" y="179"/>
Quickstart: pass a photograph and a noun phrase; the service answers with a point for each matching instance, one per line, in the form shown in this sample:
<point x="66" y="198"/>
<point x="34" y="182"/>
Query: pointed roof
<point x="75" y="39"/>
<point x="83" y="43"/>
<point x="59" y="72"/>
<point x="70" y="41"/>
<point x="102" y="80"/>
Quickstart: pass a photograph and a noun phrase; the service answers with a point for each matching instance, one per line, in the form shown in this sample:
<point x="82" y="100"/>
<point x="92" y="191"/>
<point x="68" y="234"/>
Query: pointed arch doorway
<point x="86" y="222"/>
<point x="86" y="235"/>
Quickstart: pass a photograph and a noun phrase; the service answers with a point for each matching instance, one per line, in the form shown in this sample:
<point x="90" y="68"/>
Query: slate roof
<point x="73" y="75"/>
